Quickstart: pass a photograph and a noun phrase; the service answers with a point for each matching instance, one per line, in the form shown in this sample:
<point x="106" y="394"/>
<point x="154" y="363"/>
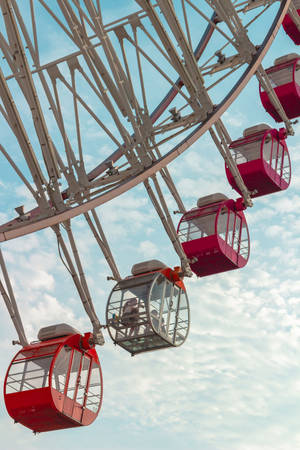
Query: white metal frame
<point x="139" y="136"/>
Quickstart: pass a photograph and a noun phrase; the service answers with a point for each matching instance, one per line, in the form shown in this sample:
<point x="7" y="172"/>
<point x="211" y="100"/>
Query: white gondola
<point x="148" y="310"/>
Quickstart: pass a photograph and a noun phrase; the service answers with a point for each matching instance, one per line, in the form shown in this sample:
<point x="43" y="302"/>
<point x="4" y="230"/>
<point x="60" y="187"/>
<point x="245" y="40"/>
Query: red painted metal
<point x="173" y="275"/>
<point x="291" y="29"/>
<point x="215" y="237"/>
<point x="287" y="90"/>
<point x="263" y="161"/>
<point x="45" y="408"/>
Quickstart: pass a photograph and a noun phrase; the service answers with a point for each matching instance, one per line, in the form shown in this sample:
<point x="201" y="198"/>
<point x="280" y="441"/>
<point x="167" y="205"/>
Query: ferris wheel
<point x="94" y="104"/>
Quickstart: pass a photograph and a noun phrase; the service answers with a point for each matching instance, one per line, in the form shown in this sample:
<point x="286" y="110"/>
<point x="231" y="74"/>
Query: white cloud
<point x="148" y="249"/>
<point x="235" y="118"/>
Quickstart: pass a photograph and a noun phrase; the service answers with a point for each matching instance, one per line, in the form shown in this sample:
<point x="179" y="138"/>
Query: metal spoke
<point x="11" y="304"/>
<point x="79" y="279"/>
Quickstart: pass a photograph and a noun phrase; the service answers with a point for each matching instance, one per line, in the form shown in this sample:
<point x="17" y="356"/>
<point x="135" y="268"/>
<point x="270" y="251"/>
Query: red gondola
<point x="149" y="310"/>
<point x="55" y="383"/>
<point x="263" y="160"/>
<point x="285" y="78"/>
<point x="214" y="236"/>
<point x="290" y="26"/>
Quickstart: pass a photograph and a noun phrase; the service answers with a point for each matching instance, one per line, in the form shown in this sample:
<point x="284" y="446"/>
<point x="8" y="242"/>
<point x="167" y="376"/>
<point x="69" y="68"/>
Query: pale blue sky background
<point x="234" y="384"/>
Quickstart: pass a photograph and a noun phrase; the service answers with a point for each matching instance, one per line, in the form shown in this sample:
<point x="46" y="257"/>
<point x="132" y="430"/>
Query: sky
<point x="235" y="383"/>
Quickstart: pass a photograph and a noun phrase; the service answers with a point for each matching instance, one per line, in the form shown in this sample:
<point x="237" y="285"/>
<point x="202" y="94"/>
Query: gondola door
<point x="76" y="387"/>
<point x="92" y="393"/>
<point x="81" y="389"/>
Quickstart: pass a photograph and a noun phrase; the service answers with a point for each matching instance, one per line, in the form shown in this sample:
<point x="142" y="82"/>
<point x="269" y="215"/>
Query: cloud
<point x="49" y="311"/>
<point x="235" y="118"/>
<point x="148" y="249"/>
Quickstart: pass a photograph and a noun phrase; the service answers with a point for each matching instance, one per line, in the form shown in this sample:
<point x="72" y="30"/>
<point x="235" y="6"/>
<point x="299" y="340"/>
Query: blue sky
<point x="234" y="384"/>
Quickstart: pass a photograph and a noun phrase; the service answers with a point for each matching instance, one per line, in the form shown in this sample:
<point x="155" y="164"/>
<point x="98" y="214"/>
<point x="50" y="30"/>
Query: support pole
<point x="102" y="242"/>
<point x="11" y="304"/>
<point x="79" y="281"/>
<point x="267" y="87"/>
<point x="164" y="215"/>
<point x="221" y="139"/>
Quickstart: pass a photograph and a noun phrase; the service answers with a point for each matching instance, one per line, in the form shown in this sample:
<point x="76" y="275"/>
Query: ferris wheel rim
<point x="166" y="159"/>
